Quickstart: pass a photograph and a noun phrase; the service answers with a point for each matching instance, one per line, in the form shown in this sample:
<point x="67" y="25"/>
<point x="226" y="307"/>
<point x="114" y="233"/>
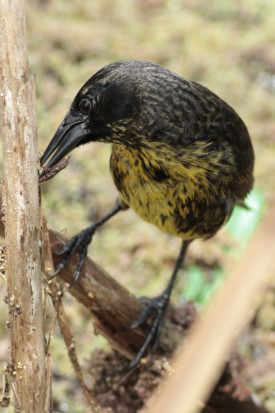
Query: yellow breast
<point x="164" y="193"/>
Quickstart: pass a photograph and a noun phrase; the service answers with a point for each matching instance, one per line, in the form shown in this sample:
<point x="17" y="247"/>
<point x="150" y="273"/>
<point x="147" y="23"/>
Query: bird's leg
<point x="158" y="307"/>
<point x="80" y="242"/>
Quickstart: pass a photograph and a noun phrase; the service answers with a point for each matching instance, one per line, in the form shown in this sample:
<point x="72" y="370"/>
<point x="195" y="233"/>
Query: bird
<point x="181" y="158"/>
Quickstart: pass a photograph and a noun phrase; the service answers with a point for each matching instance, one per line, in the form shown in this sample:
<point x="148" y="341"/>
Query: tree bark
<point x="112" y="306"/>
<point x="21" y="205"/>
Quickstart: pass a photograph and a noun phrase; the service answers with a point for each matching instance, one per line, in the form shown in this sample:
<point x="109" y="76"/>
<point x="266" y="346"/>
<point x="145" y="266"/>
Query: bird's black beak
<point x="67" y="137"/>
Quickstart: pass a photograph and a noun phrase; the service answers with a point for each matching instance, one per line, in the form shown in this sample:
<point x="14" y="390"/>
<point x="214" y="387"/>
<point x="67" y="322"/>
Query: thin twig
<point x="54" y="170"/>
<point x="56" y="293"/>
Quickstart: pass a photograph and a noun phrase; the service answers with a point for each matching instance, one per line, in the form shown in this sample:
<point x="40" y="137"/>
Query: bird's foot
<point x="156" y="308"/>
<point x="78" y="243"/>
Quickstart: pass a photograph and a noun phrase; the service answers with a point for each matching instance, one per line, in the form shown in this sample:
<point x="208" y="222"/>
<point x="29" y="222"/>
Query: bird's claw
<point x="78" y="242"/>
<point x="158" y="306"/>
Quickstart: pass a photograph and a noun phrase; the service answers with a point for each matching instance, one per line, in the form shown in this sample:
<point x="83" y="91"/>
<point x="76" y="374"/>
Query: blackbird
<point x="181" y="158"/>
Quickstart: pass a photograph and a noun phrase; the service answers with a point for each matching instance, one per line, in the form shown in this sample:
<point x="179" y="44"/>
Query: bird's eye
<point x="85" y="106"/>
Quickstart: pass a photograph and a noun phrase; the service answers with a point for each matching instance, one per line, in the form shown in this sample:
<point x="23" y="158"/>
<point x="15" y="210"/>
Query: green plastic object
<point x="197" y="287"/>
<point x="243" y="222"/>
<point x="200" y="284"/>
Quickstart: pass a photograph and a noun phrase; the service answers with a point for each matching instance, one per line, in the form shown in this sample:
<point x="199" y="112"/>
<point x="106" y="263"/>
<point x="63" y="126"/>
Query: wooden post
<point x="21" y="203"/>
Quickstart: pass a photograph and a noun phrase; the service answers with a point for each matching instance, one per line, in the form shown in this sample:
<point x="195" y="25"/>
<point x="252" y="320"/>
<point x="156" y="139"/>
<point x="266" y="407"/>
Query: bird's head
<point x="106" y="109"/>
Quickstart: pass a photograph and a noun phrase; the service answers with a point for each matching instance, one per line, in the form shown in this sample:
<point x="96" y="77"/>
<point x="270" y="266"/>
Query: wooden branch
<point x="111" y="305"/>
<point x="21" y="203"/>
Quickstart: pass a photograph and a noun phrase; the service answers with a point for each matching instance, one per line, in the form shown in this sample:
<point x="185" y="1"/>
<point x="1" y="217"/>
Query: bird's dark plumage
<point x="181" y="157"/>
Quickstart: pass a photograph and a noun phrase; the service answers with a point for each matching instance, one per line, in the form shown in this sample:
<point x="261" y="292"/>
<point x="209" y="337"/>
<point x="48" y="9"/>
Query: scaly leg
<point x="79" y="243"/>
<point x="158" y="306"/>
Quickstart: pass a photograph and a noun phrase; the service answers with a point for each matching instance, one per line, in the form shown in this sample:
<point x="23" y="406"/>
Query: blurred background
<point x="228" y="46"/>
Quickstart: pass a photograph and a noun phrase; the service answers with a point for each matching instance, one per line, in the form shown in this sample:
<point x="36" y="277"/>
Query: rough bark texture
<point x="21" y="205"/>
<point x="112" y="306"/>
